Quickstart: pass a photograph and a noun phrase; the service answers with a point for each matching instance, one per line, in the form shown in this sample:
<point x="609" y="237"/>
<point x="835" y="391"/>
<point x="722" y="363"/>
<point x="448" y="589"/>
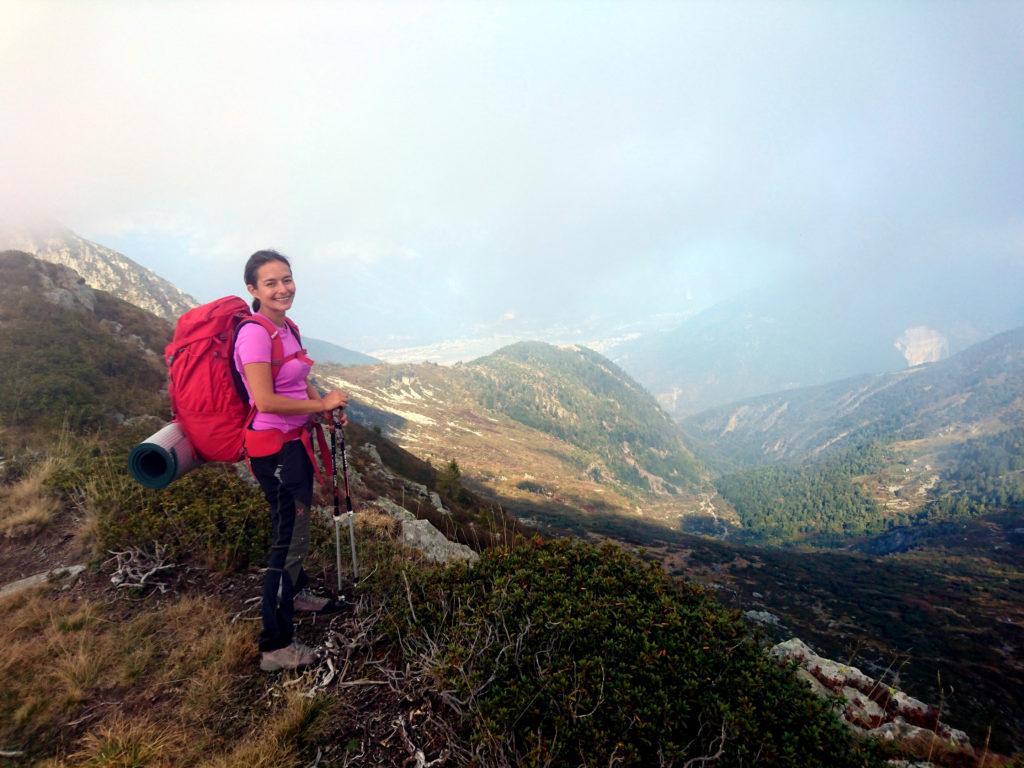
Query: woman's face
<point x="274" y="286"/>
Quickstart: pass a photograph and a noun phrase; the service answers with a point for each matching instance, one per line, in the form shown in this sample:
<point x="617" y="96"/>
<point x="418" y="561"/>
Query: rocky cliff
<point x="101" y="267"/>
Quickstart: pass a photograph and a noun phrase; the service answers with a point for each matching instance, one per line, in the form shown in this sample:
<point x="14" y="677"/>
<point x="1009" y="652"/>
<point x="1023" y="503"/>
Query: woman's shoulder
<point x="252" y="343"/>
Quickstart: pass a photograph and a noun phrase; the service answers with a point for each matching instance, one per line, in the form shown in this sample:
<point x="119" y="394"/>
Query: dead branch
<point x="709" y="758"/>
<point x="135" y="566"/>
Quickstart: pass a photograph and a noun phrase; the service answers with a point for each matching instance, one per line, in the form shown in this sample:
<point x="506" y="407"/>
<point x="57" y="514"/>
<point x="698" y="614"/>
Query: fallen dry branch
<point x="135" y="568"/>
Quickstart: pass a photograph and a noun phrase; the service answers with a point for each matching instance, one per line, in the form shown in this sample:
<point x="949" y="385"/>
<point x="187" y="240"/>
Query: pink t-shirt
<point x="252" y="345"/>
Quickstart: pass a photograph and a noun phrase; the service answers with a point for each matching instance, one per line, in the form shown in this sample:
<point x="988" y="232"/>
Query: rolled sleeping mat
<point x="163" y="457"/>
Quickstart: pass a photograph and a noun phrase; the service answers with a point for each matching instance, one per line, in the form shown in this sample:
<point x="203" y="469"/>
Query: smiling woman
<point x="284" y="401"/>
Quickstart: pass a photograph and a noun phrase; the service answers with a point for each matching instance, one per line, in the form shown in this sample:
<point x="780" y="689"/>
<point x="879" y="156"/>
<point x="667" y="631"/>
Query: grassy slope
<point x="581" y="397"/>
<point x="72" y="365"/>
<point x="442" y="412"/>
<point x="101" y="676"/>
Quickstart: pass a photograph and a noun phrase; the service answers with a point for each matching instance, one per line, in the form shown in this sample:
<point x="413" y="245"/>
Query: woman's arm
<point x="261" y="384"/>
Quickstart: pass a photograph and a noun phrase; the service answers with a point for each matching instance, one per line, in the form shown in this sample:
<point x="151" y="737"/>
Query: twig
<point x="709" y="758"/>
<point x="408" y="596"/>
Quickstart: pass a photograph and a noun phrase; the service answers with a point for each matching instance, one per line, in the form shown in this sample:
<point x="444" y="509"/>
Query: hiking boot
<point x="307" y="601"/>
<point x="294" y="656"/>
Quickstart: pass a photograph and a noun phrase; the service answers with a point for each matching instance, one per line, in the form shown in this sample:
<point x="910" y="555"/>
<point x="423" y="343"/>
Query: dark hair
<point x="252" y="267"/>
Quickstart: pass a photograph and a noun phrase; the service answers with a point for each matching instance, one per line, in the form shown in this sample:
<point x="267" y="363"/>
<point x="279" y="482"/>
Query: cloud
<point x="566" y="158"/>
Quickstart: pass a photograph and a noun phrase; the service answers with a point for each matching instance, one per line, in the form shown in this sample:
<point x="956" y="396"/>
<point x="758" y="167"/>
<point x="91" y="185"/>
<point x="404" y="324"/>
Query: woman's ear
<point x="252" y="290"/>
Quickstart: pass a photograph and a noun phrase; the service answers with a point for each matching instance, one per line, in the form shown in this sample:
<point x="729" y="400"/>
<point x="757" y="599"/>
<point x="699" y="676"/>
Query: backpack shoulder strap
<point x="295" y="329"/>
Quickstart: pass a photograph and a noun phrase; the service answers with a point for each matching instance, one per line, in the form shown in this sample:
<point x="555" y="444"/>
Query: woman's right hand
<point x="334" y="399"/>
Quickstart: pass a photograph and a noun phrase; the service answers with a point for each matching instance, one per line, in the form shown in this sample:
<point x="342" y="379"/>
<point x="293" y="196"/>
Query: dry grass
<point x="274" y="745"/>
<point x="26" y="506"/>
<point x="375" y="524"/>
<point x="123" y="743"/>
<point x="69" y="666"/>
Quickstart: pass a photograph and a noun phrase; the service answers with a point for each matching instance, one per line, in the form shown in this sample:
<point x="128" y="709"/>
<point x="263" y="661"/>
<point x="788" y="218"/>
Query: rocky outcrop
<point x="101" y="268"/>
<point x="416" y="490"/>
<point x="761" y="617"/>
<point x="67" y="573"/>
<point x="876" y="709"/>
<point x="55" y="283"/>
<point x="422" y="536"/>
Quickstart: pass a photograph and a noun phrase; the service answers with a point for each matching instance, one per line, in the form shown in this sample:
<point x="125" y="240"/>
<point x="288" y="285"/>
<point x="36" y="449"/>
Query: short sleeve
<point x="252" y="345"/>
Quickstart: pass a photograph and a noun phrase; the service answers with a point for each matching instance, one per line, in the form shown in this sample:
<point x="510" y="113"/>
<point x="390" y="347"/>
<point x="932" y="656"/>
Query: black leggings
<point x="287" y="481"/>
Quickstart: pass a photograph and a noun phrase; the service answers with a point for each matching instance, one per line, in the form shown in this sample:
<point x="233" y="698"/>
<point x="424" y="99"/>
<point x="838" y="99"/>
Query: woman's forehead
<point x="273" y="270"/>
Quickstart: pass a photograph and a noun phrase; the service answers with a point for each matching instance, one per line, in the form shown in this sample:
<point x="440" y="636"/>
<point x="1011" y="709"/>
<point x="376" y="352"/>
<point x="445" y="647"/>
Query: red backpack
<point x="208" y="398"/>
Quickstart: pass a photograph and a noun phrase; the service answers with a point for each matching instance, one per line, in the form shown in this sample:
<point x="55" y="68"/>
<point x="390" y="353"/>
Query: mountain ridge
<point x="101" y="267"/>
<point x="967" y="389"/>
<point x="110" y="271"/>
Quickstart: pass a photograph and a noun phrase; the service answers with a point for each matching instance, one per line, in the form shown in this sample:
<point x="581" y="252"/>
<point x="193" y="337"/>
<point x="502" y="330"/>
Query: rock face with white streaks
<point x="922" y="344"/>
<point x="101" y="267"/>
<point x="877" y="709"/>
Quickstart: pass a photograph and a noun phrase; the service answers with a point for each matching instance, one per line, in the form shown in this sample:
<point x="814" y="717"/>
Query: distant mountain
<point x="938" y="442"/>
<point x="583" y="398"/>
<point x="977" y="390"/>
<point x="801" y="335"/>
<point x="559" y="436"/>
<point x="73" y="355"/>
<point x="101" y="268"/>
<point x="325" y="352"/>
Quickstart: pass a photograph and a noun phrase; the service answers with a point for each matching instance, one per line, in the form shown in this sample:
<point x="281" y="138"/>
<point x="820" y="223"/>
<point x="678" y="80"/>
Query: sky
<point x="475" y="172"/>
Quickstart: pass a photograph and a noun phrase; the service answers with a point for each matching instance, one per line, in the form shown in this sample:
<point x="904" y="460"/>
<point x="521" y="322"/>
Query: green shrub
<point x="211" y="514"/>
<point x="563" y="653"/>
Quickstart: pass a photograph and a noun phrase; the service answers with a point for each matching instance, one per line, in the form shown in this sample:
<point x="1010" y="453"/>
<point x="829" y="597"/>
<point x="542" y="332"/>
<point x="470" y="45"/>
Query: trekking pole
<point x="348" y="503"/>
<point x="337" y="512"/>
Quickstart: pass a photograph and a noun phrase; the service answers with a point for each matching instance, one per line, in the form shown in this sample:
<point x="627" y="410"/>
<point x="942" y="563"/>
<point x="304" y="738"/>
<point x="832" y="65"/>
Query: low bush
<point x="563" y="653"/>
<point x="211" y="514"/>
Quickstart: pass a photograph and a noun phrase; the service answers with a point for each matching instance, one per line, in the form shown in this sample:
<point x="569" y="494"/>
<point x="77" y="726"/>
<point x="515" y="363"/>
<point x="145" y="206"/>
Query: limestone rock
<point x="398" y="512"/>
<point x="421" y="535"/>
<point x="371" y="451"/>
<point x="875" y="708"/>
<point x="436" y="501"/>
<point x="100" y="267"/>
<point x="68" y="572"/>
<point x="761" y="617"/>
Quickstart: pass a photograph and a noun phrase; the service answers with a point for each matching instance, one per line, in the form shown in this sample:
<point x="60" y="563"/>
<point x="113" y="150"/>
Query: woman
<point x="285" y="402"/>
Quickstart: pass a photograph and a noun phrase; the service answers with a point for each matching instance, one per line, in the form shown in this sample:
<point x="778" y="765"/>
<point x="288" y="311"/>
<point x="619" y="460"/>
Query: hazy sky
<point x="484" y="169"/>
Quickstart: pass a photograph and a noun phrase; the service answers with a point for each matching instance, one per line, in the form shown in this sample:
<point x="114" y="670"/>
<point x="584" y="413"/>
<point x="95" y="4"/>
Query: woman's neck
<point x="275" y="316"/>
